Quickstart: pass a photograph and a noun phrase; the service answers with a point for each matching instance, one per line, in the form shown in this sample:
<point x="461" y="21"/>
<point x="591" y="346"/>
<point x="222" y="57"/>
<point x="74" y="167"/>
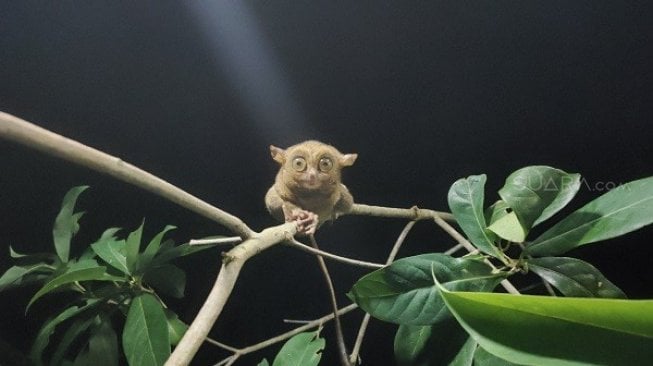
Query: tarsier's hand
<point x="306" y="220"/>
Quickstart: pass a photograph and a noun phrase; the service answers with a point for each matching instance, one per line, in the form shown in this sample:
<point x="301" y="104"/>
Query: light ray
<point x="243" y="54"/>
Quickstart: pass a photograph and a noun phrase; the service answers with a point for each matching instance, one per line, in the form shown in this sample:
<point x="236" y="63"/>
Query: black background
<point x="425" y="93"/>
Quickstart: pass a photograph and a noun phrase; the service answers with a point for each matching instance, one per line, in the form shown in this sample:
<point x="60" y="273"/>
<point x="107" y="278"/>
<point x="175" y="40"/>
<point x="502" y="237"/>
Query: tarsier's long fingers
<point x="310" y="224"/>
<point x="306" y="221"/>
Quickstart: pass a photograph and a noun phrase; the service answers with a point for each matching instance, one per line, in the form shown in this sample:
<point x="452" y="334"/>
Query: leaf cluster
<point x="444" y="306"/>
<point x="114" y="283"/>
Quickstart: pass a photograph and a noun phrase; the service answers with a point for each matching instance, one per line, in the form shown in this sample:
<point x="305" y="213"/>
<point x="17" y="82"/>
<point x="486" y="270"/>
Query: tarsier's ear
<point x="278" y="154"/>
<point x="348" y="159"/>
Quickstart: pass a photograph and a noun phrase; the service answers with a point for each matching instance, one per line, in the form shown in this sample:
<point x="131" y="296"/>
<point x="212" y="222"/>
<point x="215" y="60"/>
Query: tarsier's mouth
<point x="309" y="183"/>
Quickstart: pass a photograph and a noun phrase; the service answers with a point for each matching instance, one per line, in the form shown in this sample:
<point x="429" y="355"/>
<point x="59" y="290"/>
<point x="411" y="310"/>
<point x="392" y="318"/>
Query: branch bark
<point x="355" y="262"/>
<point x="232" y="263"/>
<point x="33" y="136"/>
<point x="413" y="213"/>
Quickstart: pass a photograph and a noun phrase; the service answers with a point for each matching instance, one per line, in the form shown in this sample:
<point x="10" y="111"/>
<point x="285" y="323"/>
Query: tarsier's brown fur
<point x="308" y="186"/>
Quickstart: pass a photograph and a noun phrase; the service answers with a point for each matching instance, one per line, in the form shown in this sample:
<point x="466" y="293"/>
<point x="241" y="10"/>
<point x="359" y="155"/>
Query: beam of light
<point x="242" y="53"/>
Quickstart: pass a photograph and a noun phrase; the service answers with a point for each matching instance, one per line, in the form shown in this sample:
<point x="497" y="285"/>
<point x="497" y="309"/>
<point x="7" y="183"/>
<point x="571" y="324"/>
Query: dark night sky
<point x="425" y="93"/>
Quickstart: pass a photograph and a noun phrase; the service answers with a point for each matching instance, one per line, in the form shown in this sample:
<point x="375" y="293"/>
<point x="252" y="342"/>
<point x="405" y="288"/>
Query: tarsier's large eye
<point x="299" y="164"/>
<point x="326" y="164"/>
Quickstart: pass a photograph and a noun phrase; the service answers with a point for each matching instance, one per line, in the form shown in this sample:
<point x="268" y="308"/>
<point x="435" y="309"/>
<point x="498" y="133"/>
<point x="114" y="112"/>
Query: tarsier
<point x="307" y="188"/>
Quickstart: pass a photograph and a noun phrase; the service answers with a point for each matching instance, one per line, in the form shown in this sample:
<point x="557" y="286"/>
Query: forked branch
<point x="25" y="133"/>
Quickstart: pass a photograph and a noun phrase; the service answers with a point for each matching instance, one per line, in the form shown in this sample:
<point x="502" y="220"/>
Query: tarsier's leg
<point x="306" y="220"/>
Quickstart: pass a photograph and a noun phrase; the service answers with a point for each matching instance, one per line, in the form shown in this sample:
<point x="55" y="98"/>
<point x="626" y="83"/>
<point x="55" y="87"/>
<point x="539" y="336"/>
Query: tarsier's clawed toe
<point x="306" y="221"/>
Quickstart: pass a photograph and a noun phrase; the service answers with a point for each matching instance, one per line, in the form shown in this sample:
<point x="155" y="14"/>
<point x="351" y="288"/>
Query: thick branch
<point x="413" y="213"/>
<point x="25" y="133"/>
<point x="233" y="261"/>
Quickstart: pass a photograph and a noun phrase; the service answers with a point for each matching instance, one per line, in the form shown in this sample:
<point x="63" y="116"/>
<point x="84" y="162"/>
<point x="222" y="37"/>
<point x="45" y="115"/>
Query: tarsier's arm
<point x="286" y="211"/>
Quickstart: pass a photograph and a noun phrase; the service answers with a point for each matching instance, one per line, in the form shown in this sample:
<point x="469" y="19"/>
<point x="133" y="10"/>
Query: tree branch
<point x="33" y="136"/>
<point x="232" y="263"/>
<point x="283" y="336"/>
<point x="230" y="240"/>
<point x="340" y="337"/>
<point x="465" y="243"/>
<point x="413" y="213"/>
<point x="25" y="133"/>
<point x="366" y="318"/>
<point x="303" y="247"/>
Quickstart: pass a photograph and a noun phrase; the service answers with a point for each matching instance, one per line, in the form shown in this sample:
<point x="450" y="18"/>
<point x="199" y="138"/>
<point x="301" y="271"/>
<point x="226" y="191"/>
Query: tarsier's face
<point x="311" y="166"/>
<point x="313" y="169"/>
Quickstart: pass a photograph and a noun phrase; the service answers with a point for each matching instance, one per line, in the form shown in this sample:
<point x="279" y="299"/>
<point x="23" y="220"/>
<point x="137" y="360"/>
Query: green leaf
<point x="429" y="344"/>
<point x="145" y="338"/>
<point x="465" y="356"/>
<point x="304" y="349"/>
<point x="264" y="362"/>
<point x="132" y="247"/>
<point x="620" y="211"/>
<point x="466" y="203"/>
<point x="113" y="253"/>
<point x="153" y="248"/>
<point x="107" y="235"/>
<point x="404" y="292"/>
<point x="508" y="227"/>
<point x="574" y="277"/>
<point x="81" y="271"/>
<point x="176" y="328"/>
<point x="498" y="210"/>
<point x="536" y="193"/>
<point x="43" y="336"/>
<point x="31" y="258"/>
<point x="21" y="275"/>
<point x="485" y="358"/>
<point x="103" y="344"/>
<point x="412" y="343"/>
<point x="541" y="330"/>
<point x="169" y="279"/>
<point x="66" y="224"/>
<point x="76" y="329"/>
<point x="168" y="252"/>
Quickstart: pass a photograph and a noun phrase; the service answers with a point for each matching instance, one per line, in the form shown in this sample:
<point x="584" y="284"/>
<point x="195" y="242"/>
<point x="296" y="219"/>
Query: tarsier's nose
<point x="312" y="174"/>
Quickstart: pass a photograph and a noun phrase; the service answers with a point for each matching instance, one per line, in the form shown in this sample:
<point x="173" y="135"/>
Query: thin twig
<point x="296" y="321"/>
<point x="465" y="243"/>
<point x="454" y="234"/>
<point x="284" y="336"/>
<point x="453" y="249"/>
<point x="344" y="359"/>
<point x="549" y="288"/>
<point x="353" y="357"/>
<point x="230" y="240"/>
<point x="301" y="246"/>
<point x="362" y="329"/>
<point x="222" y="345"/>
